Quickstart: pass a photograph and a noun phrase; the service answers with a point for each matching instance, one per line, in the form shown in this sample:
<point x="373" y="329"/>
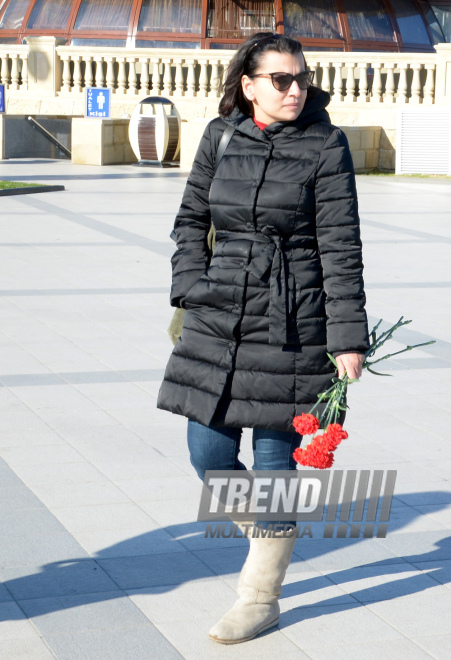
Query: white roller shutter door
<point x="423" y="141"/>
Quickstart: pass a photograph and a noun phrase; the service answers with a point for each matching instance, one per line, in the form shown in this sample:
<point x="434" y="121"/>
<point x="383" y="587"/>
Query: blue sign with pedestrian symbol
<point x="2" y="98"/>
<point x="98" y="102"/>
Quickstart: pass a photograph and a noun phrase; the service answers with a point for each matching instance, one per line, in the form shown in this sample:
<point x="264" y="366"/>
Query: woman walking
<point x="283" y="287"/>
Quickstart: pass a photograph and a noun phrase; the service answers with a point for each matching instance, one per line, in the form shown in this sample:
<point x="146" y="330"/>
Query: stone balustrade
<point x="349" y="77"/>
<point x="376" y="78"/>
<point x="14" y="67"/>
<point x="162" y="72"/>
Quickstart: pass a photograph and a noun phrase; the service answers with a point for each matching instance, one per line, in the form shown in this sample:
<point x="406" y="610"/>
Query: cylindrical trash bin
<point x="154" y="132"/>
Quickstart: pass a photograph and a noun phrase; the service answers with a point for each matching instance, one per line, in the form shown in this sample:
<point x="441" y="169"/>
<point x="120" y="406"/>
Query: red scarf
<point x="260" y="124"/>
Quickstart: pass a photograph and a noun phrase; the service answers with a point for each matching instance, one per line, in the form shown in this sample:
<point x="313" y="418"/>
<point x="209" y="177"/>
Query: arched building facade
<point x="328" y="25"/>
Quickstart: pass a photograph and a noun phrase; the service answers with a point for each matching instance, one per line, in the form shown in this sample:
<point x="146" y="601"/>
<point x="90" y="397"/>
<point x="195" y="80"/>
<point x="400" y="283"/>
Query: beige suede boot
<point x="259" y="588"/>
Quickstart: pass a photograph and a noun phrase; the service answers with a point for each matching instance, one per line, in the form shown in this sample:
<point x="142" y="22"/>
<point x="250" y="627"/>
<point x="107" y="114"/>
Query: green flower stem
<point x="386" y="335"/>
<point x="389" y="355"/>
<point x="325" y="413"/>
<point x="335" y="395"/>
<point x="321" y="397"/>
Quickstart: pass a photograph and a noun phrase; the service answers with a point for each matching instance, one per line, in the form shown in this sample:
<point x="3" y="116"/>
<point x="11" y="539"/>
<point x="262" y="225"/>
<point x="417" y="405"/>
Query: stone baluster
<point x="156" y="76"/>
<point x="132" y="79"/>
<point x="203" y="79"/>
<point x="178" y="79"/>
<point x="376" y="96"/>
<point x="390" y="84"/>
<point x="191" y="82"/>
<point x="110" y="75"/>
<point x="416" y="83"/>
<point x="429" y="87"/>
<point x="153" y="72"/>
<point x="167" y="77"/>
<point x="338" y="82"/>
<point x="215" y="82"/>
<point x="222" y="72"/>
<point x="24" y="73"/>
<point x="402" y="85"/>
<point x="14" y="71"/>
<point x="121" y="75"/>
<point x="350" y="84"/>
<point x="5" y="69"/>
<point x="314" y="66"/>
<point x="363" y="83"/>
<point x="325" y="83"/>
<point x="78" y="78"/>
<point x="100" y="77"/>
<point x="89" y="72"/>
<point x="144" y="74"/>
<point x="67" y="78"/>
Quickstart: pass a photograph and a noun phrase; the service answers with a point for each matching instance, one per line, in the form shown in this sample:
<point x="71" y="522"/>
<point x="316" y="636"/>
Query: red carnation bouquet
<point x="326" y="431"/>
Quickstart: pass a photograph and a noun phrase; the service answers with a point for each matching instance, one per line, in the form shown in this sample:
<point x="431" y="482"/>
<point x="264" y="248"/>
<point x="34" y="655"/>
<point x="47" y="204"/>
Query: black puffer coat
<point x="284" y="285"/>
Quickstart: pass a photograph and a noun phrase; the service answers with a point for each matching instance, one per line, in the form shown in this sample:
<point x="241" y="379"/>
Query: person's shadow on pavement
<point x="116" y="570"/>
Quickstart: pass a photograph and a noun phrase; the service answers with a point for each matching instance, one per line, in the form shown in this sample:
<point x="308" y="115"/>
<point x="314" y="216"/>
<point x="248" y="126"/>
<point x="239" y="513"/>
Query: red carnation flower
<point x="336" y="431"/>
<point x="306" y="424"/>
<point x="314" y="456"/>
<point x="297" y="454"/>
<point x="332" y="437"/>
<point x="319" y="453"/>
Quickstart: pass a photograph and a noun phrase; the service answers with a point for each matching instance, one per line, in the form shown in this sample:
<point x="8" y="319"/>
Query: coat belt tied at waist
<point x="273" y="256"/>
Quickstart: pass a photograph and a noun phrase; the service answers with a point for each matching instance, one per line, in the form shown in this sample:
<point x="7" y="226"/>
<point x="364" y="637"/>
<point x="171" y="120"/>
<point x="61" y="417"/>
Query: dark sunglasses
<point x="283" y="81"/>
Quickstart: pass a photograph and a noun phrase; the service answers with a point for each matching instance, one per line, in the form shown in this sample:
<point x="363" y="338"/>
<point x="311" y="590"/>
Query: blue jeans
<point x="218" y="449"/>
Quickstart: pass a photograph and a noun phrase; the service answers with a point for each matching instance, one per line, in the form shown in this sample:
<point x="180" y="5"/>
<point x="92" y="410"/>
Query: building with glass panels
<point x="335" y="25"/>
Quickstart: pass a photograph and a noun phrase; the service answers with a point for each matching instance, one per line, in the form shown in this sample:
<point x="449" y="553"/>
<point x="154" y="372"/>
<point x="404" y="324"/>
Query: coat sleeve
<point x="340" y="247"/>
<point x="192" y="224"/>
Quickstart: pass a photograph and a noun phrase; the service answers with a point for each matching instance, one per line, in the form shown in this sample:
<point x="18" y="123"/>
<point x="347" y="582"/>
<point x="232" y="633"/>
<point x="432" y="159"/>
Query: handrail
<point x="50" y="137"/>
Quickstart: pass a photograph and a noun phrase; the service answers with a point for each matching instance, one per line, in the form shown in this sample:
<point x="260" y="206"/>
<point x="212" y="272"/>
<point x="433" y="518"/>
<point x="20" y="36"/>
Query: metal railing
<point x="49" y="136"/>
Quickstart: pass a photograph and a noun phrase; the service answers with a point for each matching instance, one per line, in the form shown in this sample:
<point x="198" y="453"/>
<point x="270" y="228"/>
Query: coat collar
<point x="313" y="111"/>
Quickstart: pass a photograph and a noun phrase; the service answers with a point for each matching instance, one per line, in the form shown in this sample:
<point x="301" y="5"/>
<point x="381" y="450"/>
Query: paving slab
<point x="437" y="646"/>
<point x="139" y="642"/>
<point x="24" y="649"/>
<point x="395" y="649"/>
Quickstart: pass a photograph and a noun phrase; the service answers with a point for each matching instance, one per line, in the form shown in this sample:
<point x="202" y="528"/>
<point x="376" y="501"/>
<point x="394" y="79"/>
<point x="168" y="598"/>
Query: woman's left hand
<point x="352" y="363"/>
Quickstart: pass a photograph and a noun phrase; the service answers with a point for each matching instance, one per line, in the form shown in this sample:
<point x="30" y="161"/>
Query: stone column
<point x="443" y="75"/>
<point x="44" y="65"/>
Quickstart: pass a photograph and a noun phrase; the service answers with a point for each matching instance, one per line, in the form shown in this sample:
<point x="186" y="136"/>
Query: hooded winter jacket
<point x="284" y="285"/>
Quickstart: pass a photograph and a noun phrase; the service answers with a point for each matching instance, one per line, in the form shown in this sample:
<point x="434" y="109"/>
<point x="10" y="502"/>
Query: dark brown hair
<point x="246" y="62"/>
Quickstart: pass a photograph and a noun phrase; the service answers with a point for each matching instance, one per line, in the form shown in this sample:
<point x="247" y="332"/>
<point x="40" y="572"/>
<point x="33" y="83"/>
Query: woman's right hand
<point x="351" y="363"/>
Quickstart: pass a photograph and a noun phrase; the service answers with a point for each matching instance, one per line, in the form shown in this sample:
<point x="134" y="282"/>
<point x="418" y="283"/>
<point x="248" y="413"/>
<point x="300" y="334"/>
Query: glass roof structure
<point x="346" y="25"/>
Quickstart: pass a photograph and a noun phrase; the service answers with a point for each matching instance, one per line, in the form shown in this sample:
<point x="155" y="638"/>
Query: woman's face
<point x="270" y="105"/>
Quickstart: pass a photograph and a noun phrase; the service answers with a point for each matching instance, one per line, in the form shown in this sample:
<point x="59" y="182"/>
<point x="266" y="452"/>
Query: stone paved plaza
<point x="101" y="557"/>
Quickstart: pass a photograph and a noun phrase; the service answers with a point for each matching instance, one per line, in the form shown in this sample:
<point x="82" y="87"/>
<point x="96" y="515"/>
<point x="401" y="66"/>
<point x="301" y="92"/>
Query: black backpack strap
<point x="224" y="143"/>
